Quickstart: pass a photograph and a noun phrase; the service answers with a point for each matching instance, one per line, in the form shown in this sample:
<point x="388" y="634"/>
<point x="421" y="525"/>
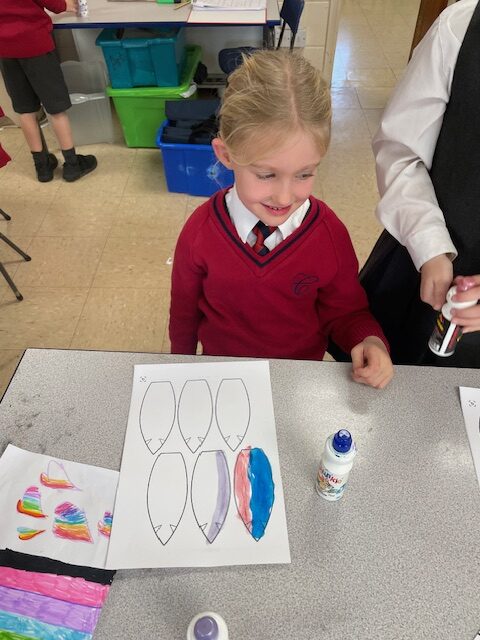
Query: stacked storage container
<point x="146" y="68"/>
<point x="90" y="115"/>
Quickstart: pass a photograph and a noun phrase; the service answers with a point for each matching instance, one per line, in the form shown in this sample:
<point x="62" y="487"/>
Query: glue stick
<point x="446" y="333"/>
<point x="207" y="626"/>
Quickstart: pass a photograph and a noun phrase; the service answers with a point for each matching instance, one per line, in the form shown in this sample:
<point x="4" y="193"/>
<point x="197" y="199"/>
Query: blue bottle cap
<point x="206" y="628"/>
<point x="342" y="441"/>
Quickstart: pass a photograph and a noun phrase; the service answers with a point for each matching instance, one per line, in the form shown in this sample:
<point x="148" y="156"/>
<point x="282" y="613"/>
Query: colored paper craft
<point x="68" y="588"/>
<point x="57" y="517"/>
<point x="10" y="635"/>
<point x="254" y="490"/>
<point x="208" y="426"/>
<point x="52" y="611"/>
<point x="37" y="630"/>
<point x="38" y="604"/>
<point x="40" y="564"/>
<point x="58" y="479"/>
<point x="29" y="505"/>
<point x="210" y="507"/>
<point x="71" y="523"/>
<point x="105" y="525"/>
<point x="24" y="533"/>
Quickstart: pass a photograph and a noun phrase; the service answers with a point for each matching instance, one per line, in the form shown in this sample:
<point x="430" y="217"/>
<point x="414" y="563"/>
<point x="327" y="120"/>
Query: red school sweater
<point x="25" y="28"/>
<point x="282" y="305"/>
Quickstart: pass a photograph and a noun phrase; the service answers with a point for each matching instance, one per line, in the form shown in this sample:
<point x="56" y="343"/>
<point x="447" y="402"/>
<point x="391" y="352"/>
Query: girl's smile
<point x="277" y="211"/>
<point x="286" y="175"/>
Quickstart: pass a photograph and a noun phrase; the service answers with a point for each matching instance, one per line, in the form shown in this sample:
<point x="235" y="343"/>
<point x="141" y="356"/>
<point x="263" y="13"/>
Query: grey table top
<point x="396" y="558"/>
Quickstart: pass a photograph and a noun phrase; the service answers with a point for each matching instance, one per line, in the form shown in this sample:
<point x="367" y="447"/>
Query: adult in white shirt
<point x="427" y="151"/>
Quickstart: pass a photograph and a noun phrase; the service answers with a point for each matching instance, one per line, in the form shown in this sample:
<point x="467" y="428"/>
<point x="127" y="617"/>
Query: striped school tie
<point x="262" y="231"/>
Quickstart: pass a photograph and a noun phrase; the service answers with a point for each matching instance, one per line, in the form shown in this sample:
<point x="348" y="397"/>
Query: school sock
<point x="76" y="166"/>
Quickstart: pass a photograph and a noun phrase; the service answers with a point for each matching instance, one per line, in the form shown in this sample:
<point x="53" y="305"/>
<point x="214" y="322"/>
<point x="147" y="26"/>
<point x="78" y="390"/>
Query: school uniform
<point x="427" y="152"/>
<point x="283" y="304"/>
<point x="4" y="157"/>
<point x="28" y="59"/>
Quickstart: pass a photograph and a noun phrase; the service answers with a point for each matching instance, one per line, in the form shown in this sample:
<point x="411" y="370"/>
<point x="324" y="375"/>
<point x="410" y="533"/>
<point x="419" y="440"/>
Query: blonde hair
<point x="270" y="96"/>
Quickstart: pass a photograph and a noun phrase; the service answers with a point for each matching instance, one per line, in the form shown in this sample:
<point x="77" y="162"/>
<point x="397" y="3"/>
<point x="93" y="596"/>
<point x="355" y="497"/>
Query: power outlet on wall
<point x="300" y="40"/>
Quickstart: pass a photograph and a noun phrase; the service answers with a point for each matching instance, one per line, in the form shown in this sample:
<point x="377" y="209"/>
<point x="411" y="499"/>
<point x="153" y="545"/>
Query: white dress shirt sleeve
<point x="405" y="141"/>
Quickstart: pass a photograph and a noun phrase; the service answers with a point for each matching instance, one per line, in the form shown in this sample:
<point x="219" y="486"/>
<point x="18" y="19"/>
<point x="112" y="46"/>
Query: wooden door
<point x="428" y="12"/>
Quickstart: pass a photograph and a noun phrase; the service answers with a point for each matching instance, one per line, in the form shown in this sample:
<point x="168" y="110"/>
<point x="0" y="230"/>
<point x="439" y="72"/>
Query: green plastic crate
<point x="141" y="110"/>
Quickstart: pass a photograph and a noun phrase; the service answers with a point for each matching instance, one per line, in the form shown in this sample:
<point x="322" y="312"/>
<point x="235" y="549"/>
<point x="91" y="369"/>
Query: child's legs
<point x="63" y="131"/>
<point x="45" y="79"/>
<point x="31" y="130"/>
<point x="24" y="100"/>
<point x="7" y="103"/>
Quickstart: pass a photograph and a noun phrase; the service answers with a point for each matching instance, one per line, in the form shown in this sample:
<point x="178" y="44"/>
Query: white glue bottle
<point x="335" y="465"/>
<point x="446" y="333"/>
<point x="207" y="626"/>
<point x="82" y="10"/>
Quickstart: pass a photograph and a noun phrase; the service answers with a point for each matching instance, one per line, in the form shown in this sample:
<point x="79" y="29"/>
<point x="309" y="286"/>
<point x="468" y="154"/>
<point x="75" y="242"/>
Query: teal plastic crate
<point x="141" y="110"/>
<point x="143" y="57"/>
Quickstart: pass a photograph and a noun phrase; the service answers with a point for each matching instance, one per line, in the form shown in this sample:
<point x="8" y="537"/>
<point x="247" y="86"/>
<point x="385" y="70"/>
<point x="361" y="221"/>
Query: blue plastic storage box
<point x="192" y="168"/>
<point x="143" y="58"/>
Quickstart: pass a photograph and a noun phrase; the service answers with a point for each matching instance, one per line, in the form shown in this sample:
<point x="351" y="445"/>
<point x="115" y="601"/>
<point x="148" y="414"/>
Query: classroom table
<point x="103" y="14"/>
<point x="396" y="558"/>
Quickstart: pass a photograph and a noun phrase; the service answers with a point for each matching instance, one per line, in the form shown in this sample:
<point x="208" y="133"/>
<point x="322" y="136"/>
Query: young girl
<point x="264" y="269"/>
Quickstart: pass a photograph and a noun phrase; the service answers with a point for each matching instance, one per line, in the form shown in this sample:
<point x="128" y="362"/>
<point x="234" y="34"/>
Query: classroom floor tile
<point x="46" y="317"/>
<point x="123" y="320"/>
<point x="102" y="247"/>
<point x="9" y="358"/>
<point x="60" y="262"/>
<point x="91" y="216"/>
<point x="150" y="216"/>
<point x="143" y="263"/>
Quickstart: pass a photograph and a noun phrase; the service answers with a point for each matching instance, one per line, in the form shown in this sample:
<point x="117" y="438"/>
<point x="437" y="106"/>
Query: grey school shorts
<point x="31" y="82"/>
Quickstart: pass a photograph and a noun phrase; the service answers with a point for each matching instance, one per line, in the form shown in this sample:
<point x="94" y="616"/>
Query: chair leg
<point x="24" y="255"/>
<point x="11" y="283"/>
<point x="5" y="215"/>
<point x="280" y="38"/>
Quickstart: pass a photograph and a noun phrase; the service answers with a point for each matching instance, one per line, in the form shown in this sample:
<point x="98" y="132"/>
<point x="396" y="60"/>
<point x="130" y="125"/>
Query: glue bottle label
<point x="330" y="486"/>
<point x="445" y="336"/>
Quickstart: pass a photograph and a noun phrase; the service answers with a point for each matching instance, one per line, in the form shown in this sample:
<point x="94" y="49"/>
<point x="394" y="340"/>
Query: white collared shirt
<point x="244" y="221"/>
<point x="405" y="141"/>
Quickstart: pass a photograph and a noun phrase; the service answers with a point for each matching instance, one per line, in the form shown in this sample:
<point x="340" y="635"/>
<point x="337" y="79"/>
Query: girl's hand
<point x="468" y="288"/>
<point x="72" y="6"/>
<point x="371" y="363"/>
<point x="437" y="274"/>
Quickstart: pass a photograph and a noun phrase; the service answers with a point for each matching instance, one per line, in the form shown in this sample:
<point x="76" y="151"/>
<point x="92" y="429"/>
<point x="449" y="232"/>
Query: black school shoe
<point x="45" y="164"/>
<point x="74" y="170"/>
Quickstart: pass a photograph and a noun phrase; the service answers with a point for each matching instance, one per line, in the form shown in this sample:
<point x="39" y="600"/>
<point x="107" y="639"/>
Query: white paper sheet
<point x="222" y="16"/>
<point x="29" y="489"/>
<point x="200" y="449"/>
<point x="229" y="5"/>
<point x="470" y="399"/>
